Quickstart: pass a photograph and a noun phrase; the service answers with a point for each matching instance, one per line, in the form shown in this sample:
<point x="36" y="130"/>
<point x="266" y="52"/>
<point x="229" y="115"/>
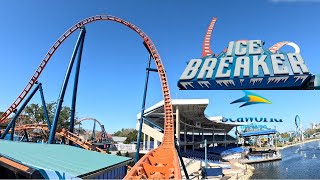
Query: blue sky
<point x="114" y="59"/>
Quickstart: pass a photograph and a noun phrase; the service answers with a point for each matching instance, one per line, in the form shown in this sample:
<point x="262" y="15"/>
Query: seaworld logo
<point x="252" y="119"/>
<point x="251" y="98"/>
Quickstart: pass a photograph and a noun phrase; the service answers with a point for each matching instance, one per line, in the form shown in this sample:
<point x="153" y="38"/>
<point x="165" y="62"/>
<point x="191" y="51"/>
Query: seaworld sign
<point x="252" y="119"/>
<point x="246" y="65"/>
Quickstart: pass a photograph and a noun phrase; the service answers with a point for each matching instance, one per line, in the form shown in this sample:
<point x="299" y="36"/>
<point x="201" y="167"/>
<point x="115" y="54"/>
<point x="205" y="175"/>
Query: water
<point x="297" y="162"/>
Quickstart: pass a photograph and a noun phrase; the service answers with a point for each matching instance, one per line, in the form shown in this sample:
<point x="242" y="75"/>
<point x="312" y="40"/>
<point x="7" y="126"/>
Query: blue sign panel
<point x="245" y="65"/>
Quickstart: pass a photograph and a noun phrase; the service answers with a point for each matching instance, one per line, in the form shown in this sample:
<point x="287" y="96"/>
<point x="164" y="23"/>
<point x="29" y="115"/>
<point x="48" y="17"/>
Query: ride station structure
<point x="192" y="127"/>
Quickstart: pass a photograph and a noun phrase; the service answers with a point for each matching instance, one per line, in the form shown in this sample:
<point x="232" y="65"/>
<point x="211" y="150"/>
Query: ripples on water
<point x="294" y="164"/>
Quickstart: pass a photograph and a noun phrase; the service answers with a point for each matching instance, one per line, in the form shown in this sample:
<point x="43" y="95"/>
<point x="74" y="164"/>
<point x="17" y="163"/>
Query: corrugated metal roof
<point x="63" y="158"/>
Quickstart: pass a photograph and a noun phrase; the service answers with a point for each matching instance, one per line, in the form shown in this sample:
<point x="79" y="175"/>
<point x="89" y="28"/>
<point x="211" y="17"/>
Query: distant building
<point x="118" y="139"/>
<point x="284" y="140"/>
<point x="315" y="125"/>
<point x="120" y="146"/>
<point x="291" y="133"/>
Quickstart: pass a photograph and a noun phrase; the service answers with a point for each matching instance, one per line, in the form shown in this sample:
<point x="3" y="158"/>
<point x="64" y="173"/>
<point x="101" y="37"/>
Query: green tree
<point x="79" y="130"/>
<point x="130" y="133"/>
<point x="64" y="117"/>
<point x="285" y="135"/>
<point x="311" y="131"/>
<point x="123" y="132"/>
<point x="291" y="139"/>
<point x="132" y="136"/>
<point x="35" y="113"/>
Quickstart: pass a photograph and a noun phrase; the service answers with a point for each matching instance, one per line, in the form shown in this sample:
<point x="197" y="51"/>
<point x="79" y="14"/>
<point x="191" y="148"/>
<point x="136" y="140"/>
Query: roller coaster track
<point x="76" y="139"/>
<point x="73" y="137"/>
<point x="206" y="50"/>
<point x="91" y="119"/>
<point x="161" y="163"/>
<point x="103" y="131"/>
<point x="32" y="126"/>
<point x="279" y="45"/>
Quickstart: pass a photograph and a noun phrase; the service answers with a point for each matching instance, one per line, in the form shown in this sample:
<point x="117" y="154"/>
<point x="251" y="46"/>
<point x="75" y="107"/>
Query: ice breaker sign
<point x="245" y="65"/>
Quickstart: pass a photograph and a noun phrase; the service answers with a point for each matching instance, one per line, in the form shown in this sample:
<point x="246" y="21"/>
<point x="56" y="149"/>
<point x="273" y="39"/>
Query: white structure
<point x="118" y="139"/>
<point x="126" y="147"/>
<point x="315" y="126"/>
<point x="192" y="126"/>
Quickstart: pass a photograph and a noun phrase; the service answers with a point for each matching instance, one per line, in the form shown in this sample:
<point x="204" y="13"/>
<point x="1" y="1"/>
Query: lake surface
<point x="297" y="162"/>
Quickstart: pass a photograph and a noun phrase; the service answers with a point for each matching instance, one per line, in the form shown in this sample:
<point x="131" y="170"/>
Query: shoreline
<point x="307" y="141"/>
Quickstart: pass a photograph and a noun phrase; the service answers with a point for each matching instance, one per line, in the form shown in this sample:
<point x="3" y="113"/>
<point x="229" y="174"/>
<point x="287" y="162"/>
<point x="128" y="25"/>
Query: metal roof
<point x="57" y="157"/>
<point x="258" y="133"/>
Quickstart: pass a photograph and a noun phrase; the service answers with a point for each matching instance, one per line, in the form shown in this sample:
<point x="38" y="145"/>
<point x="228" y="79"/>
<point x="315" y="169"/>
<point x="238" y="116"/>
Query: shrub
<point x="119" y="153"/>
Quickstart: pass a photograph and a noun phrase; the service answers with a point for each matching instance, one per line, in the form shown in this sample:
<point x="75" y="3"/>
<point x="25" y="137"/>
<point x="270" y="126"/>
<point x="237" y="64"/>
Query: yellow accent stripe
<point x="258" y="99"/>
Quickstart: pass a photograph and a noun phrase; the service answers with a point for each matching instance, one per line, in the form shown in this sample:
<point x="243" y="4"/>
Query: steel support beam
<point x="205" y="153"/>
<point x="213" y="137"/>
<point x="202" y="134"/>
<point x="12" y="131"/>
<point x="143" y="108"/>
<point x="13" y="121"/>
<point x="225" y="136"/>
<point x="94" y="131"/>
<point x="152" y="123"/>
<point x="181" y="160"/>
<point x="237" y="136"/>
<point x="26" y="135"/>
<point x="148" y="143"/>
<point x="177" y="124"/>
<point x="185" y="137"/>
<point x="192" y="138"/>
<point x="144" y="141"/>
<point x="63" y="89"/>
<point x="75" y="84"/>
<point x="44" y="106"/>
<point x="152" y="69"/>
